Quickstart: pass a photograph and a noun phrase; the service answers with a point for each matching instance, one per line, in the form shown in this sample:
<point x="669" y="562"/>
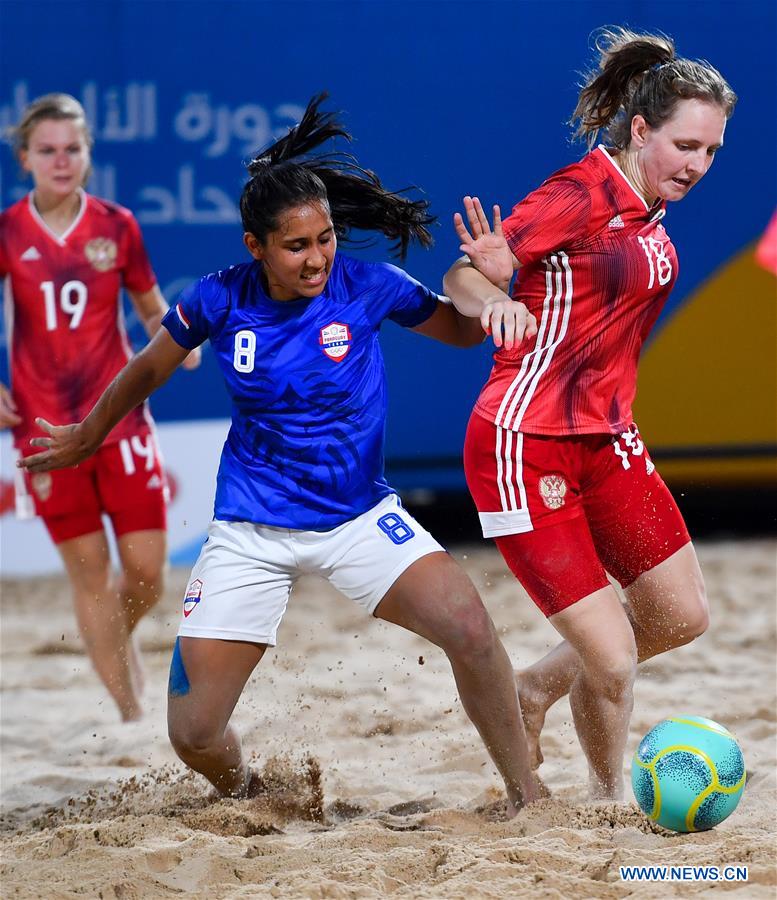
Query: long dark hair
<point x="640" y="74"/>
<point x="284" y="175"/>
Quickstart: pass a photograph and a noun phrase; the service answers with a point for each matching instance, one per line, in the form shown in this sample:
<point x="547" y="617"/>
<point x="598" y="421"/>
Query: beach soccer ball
<point x="688" y="774"/>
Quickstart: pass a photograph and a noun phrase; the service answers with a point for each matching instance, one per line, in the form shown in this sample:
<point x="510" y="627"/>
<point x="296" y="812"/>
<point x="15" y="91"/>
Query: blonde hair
<point x="640" y="74"/>
<point x="49" y="106"/>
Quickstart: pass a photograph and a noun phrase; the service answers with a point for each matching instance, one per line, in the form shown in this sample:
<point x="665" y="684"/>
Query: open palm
<point x="486" y="248"/>
<point x="65" y="446"/>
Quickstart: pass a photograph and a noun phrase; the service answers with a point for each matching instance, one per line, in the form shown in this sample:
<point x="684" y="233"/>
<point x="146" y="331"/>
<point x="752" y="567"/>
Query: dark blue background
<point x="457" y="97"/>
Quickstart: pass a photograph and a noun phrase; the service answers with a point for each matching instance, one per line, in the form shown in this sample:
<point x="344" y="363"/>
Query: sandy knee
<point x="470" y="634"/>
<point x="690" y="621"/>
<point x="698" y="620"/>
<point x="193" y="736"/>
<point x="144" y="581"/>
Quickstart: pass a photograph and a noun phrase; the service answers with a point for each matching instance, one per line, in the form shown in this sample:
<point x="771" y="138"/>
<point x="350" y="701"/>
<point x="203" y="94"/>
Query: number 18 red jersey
<point x="66" y="331"/>
<point x="596" y="268"/>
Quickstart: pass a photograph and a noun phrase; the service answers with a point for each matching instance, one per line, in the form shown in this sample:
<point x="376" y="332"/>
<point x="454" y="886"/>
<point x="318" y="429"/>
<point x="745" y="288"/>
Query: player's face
<point x="57" y="157"/>
<point x="676" y="156"/>
<point x="297" y="257"/>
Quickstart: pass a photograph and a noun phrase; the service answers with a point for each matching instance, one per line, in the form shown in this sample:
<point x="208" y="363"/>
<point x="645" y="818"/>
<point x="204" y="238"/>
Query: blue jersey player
<point x="300" y="485"/>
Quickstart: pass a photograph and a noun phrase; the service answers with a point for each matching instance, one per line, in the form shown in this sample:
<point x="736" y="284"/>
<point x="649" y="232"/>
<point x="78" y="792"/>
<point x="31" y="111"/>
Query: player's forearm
<point x="468" y="328"/>
<point x="142" y="375"/>
<point x="469" y="290"/>
<point x="130" y="387"/>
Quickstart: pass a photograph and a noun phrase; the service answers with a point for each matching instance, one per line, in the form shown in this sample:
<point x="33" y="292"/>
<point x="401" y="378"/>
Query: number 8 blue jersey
<point x="308" y="388"/>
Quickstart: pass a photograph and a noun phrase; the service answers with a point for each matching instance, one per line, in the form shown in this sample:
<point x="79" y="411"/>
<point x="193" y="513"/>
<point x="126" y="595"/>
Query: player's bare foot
<point x="533" y="709"/>
<point x="538" y="791"/>
<point x="235" y="785"/>
<point x="612" y="791"/>
<point x="254" y="785"/>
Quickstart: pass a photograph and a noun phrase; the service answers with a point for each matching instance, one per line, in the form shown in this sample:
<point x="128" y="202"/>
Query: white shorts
<point x="240" y="584"/>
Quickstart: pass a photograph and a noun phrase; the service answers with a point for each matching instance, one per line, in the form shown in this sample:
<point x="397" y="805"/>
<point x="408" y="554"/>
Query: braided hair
<point x="285" y="175"/>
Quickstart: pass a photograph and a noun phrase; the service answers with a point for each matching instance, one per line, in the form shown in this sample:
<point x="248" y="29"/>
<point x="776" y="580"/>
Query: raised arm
<point x="477" y="284"/>
<point x="68" y="445"/>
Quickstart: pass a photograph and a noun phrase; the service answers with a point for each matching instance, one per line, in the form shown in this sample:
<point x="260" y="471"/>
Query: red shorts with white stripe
<point x="566" y="510"/>
<point x="123" y="480"/>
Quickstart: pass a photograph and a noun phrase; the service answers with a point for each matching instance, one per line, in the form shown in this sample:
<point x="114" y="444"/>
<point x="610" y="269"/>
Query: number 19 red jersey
<point x="66" y="331"/>
<point x="596" y="268"/>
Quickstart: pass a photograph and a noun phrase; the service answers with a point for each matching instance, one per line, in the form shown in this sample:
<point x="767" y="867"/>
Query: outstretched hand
<point x="486" y="248"/>
<point x="65" y="446"/>
<point x="508" y="322"/>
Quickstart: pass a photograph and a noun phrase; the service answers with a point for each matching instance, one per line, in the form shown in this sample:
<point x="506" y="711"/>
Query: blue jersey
<point x="308" y="388"/>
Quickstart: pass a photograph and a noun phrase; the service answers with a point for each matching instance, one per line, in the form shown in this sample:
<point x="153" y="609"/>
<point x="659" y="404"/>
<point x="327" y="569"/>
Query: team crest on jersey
<point x="553" y="489"/>
<point x="192" y="597"/>
<point x="101" y="253"/>
<point x="41" y="484"/>
<point x="335" y="341"/>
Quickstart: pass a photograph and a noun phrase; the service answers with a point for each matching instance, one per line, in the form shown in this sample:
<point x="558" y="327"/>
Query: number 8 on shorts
<point x="394" y="528"/>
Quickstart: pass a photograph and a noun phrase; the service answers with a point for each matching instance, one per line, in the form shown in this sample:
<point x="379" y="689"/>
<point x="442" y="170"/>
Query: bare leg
<point x="435" y="599"/>
<point x="539" y="687"/>
<point x="601" y="695"/>
<point x="668" y="604"/>
<point x="143" y="555"/>
<point x="206" y="681"/>
<point x="100" y="616"/>
<point x="667" y="607"/>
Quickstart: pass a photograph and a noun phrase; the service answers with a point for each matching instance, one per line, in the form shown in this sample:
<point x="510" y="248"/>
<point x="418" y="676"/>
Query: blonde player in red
<point x="556" y="466"/>
<point x="64" y="256"/>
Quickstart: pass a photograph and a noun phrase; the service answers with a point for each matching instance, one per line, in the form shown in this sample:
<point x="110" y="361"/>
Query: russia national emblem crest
<point x="553" y="489"/>
<point x="192" y="597"/>
<point x="41" y="484"/>
<point x="101" y="253"/>
<point x="335" y="341"/>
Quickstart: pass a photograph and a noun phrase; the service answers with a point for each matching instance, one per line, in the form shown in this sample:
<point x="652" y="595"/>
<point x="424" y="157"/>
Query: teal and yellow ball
<point x="688" y="774"/>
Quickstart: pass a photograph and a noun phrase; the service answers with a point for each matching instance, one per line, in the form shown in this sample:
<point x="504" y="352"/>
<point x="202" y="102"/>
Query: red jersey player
<point x="64" y="256"/>
<point x="556" y="466"/>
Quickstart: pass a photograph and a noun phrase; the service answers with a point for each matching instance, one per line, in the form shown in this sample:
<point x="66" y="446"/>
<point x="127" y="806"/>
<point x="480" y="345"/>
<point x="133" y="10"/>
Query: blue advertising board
<point x="454" y="97"/>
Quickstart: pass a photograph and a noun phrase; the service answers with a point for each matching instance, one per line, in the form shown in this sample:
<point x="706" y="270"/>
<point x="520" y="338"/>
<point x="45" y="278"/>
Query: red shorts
<point x="566" y="510"/>
<point x="123" y="480"/>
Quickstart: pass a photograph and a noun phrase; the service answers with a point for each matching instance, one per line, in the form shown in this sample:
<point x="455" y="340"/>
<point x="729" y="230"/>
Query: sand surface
<point x="376" y="783"/>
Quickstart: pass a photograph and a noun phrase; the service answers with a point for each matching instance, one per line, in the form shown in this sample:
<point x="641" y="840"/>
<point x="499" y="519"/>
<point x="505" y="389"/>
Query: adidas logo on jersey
<point x="30" y="253"/>
<point x="615" y="222"/>
<point x="154" y="483"/>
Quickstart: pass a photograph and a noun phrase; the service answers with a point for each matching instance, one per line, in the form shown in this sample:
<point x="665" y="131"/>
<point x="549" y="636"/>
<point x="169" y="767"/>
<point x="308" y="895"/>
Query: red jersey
<point x="596" y="269"/>
<point x="67" y="339"/>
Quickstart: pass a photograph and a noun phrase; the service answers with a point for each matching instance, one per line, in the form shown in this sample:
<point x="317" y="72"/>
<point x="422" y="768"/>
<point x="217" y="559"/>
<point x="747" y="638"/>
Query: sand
<point x="376" y="783"/>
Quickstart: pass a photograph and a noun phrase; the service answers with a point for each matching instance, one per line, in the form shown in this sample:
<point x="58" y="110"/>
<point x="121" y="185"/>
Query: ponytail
<point x="285" y="175"/>
<point x="640" y="74"/>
